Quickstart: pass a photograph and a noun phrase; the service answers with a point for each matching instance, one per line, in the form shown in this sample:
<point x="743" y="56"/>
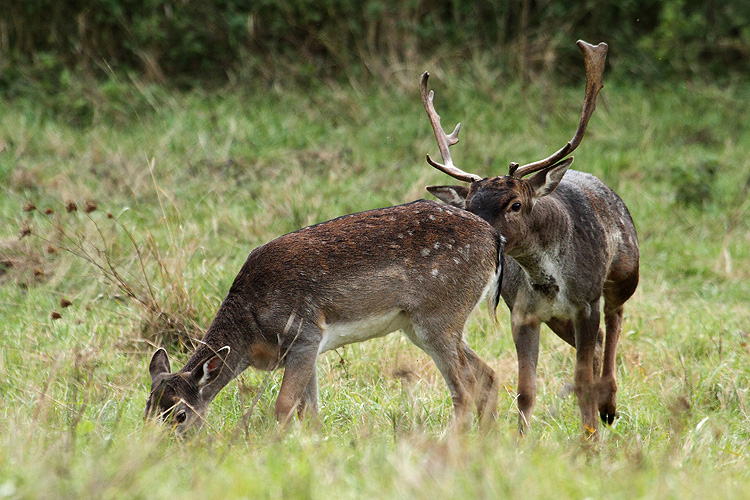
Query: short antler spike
<point x="444" y="141"/>
<point x="594" y="57"/>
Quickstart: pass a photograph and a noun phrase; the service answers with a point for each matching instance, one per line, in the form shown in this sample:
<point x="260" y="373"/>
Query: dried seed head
<point x="29" y="206"/>
<point x="89" y="207"/>
<point x="25" y="230"/>
<point x="38" y="272"/>
<point x="55" y="315"/>
<point x="71" y="206"/>
<point x="49" y="211"/>
<point x="51" y="249"/>
<point x="65" y="303"/>
<point x="110" y="216"/>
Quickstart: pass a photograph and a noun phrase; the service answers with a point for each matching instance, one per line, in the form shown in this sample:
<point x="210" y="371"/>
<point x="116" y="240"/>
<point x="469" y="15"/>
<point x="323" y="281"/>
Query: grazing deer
<point x="569" y="241"/>
<point x="420" y="267"/>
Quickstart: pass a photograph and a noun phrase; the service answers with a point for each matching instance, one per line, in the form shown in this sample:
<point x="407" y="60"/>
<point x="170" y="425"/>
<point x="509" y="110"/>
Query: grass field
<point x="186" y="185"/>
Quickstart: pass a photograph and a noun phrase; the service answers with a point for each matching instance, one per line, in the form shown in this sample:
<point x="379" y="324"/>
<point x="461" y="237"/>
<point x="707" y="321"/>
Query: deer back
<point x="411" y="256"/>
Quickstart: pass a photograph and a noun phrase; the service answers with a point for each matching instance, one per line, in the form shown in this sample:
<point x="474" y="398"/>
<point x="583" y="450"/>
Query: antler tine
<point x="593" y="58"/>
<point x="444" y="141"/>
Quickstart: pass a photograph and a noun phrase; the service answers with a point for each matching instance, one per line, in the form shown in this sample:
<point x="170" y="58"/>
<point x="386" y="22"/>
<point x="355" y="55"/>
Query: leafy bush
<point x="189" y="43"/>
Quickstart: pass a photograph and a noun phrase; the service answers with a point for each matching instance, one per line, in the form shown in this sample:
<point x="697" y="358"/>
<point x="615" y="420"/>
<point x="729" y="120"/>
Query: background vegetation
<point x="189" y="43"/>
<point x="147" y="147"/>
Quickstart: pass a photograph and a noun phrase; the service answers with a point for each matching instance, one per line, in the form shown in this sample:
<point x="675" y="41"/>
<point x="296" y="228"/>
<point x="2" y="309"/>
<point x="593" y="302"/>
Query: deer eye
<point x="180" y="416"/>
<point x="516" y="206"/>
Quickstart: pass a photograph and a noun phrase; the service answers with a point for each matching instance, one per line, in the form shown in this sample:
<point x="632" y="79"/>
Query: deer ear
<point x="452" y="195"/>
<point x="159" y="364"/>
<point x="207" y="372"/>
<point x="546" y="180"/>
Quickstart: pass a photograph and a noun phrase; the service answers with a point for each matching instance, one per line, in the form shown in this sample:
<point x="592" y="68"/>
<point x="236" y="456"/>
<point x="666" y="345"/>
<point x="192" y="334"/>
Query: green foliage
<point x="694" y="183"/>
<point x="213" y="42"/>
<point x="712" y="36"/>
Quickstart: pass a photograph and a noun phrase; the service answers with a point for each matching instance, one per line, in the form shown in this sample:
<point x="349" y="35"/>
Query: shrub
<point x="189" y="43"/>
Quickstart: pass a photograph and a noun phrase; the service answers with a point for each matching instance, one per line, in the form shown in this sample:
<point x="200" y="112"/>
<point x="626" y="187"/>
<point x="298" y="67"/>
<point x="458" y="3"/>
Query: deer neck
<point x="229" y="371"/>
<point x="540" y="249"/>
<point x="227" y="329"/>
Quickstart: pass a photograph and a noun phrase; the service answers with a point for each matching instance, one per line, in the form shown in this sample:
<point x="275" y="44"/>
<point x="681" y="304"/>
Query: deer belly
<point x="341" y="333"/>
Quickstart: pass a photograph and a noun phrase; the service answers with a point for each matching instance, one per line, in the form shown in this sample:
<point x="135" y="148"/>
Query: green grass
<point x="198" y="180"/>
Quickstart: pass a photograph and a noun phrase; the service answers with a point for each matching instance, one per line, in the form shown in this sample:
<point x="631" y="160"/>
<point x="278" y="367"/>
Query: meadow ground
<point x="185" y="185"/>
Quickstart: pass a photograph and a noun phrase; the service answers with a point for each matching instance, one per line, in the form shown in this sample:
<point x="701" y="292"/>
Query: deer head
<point x="507" y="201"/>
<point x="181" y="399"/>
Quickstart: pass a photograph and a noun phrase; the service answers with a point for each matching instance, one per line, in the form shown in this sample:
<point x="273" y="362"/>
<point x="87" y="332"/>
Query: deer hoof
<point x="608" y="415"/>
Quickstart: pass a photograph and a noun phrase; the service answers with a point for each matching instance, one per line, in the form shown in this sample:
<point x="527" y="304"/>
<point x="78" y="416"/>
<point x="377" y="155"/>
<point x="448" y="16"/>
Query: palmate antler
<point x="593" y="58"/>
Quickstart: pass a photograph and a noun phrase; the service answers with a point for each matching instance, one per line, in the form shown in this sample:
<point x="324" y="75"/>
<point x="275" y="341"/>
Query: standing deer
<point x="420" y="267"/>
<point x="569" y="241"/>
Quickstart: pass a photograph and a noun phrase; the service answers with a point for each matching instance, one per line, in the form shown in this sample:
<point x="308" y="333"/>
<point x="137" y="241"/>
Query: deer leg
<point x="298" y="384"/>
<point x="309" y="402"/>
<point x="608" y="384"/>
<point x="485" y="387"/>
<point x="445" y="349"/>
<point x="526" y="338"/>
<point x="587" y="333"/>
<point x="451" y="367"/>
<point x="566" y="331"/>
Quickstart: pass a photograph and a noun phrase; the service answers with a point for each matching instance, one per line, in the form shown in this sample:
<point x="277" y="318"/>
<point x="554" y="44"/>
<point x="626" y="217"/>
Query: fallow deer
<point x="570" y="241"/>
<point x="420" y="267"/>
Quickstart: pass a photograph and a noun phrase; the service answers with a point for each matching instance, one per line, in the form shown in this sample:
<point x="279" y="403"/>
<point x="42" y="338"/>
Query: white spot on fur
<point x="425" y="252"/>
<point x="434" y="271"/>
